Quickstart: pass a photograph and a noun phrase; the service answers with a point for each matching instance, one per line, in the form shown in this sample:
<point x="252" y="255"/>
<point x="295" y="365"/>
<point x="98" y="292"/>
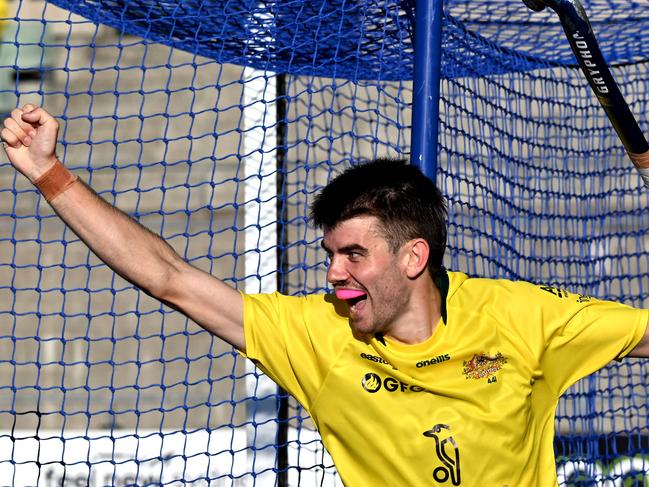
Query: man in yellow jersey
<point x="414" y="376"/>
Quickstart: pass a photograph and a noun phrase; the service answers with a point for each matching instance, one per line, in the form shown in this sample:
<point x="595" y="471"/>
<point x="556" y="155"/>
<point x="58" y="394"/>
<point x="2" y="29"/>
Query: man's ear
<point x="417" y="257"/>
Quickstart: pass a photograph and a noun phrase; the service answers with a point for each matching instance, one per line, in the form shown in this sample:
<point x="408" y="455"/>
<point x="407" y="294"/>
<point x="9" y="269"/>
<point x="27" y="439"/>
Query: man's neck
<point x="422" y="317"/>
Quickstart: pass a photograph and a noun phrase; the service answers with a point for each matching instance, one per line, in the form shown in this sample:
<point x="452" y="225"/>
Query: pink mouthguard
<point x="346" y="294"/>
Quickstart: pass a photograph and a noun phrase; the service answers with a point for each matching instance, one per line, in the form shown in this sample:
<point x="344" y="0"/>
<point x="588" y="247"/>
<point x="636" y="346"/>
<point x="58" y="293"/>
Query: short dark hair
<point x="405" y="201"/>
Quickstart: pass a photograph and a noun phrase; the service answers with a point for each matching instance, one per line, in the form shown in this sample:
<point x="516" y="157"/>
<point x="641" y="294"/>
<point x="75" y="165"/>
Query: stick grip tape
<point x="641" y="162"/>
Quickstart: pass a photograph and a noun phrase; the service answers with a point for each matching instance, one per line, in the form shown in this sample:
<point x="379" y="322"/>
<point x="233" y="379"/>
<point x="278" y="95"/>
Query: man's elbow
<point x="641" y="350"/>
<point x="167" y="284"/>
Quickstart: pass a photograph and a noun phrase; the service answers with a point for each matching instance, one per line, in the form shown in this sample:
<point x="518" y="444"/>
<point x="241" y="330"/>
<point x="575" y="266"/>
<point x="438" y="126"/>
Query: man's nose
<point x="336" y="272"/>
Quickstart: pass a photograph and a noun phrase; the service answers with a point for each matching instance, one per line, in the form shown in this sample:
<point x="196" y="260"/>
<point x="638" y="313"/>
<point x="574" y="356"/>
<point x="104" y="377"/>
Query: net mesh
<point x="215" y="124"/>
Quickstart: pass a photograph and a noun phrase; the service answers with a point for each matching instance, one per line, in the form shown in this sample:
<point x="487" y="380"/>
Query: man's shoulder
<point x="318" y="305"/>
<point x="481" y="290"/>
<point x="464" y="282"/>
<point x="516" y="296"/>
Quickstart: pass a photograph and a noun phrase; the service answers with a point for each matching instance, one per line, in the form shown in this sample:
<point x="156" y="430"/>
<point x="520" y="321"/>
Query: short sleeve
<point x="287" y="337"/>
<point x="583" y="334"/>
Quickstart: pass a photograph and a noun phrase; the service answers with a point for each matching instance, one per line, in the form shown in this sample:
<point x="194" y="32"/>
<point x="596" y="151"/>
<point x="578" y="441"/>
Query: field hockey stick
<point x="589" y="56"/>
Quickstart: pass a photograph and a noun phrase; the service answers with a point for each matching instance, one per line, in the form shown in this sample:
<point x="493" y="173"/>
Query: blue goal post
<point x="215" y="123"/>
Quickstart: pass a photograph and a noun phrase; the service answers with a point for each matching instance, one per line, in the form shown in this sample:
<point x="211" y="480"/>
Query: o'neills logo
<point x="435" y="360"/>
<point x="372" y="383"/>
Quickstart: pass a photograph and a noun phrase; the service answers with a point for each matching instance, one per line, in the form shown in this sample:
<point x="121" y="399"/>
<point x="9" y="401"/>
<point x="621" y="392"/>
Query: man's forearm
<point x="130" y="249"/>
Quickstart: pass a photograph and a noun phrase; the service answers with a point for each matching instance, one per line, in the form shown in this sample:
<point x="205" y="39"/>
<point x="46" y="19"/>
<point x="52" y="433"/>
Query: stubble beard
<point x="382" y="318"/>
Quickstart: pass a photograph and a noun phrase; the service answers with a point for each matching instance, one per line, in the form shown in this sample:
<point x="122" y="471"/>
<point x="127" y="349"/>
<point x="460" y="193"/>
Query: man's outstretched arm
<point x="127" y="247"/>
<point x="642" y="348"/>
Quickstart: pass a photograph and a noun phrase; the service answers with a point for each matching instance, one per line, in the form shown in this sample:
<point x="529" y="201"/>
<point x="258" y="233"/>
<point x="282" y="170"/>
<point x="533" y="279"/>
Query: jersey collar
<point x="442" y="282"/>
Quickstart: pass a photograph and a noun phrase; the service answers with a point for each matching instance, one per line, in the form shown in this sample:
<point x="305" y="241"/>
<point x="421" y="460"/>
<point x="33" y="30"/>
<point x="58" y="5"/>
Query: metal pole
<point x="425" y="102"/>
<point x="282" y="267"/>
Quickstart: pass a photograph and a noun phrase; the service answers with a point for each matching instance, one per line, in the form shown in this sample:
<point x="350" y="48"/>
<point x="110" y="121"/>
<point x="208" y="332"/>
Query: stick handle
<point x="584" y="46"/>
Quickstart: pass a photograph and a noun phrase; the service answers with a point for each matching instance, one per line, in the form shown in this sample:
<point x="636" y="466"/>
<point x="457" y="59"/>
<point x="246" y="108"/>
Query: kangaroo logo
<point x="447" y="452"/>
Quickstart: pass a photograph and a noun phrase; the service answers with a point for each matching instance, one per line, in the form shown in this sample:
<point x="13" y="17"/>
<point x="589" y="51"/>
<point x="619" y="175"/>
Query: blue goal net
<point x="215" y="123"/>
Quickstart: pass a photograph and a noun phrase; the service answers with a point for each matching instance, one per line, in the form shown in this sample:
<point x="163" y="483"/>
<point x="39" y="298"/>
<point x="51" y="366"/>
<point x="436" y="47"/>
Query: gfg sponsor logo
<point x="372" y="383"/>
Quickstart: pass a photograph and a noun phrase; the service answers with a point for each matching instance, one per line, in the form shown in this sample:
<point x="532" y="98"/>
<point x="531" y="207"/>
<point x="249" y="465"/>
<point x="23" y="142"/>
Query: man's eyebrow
<point x="352" y="248"/>
<point x="347" y="248"/>
<point x="344" y="250"/>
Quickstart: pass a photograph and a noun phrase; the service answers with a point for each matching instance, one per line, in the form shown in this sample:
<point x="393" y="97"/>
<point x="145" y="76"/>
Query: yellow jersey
<point x="473" y="405"/>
